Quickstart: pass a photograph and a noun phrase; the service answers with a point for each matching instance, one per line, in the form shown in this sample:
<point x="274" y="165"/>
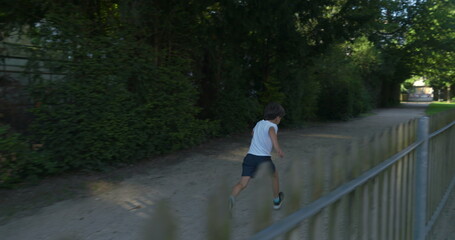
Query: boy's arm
<point x="274" y="138"/>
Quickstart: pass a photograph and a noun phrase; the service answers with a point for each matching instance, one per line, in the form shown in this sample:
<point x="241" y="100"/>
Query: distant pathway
<point x="186" y="179"/>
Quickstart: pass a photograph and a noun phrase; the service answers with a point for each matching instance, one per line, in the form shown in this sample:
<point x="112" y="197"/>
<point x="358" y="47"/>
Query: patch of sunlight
<point x="100" y="187"/>
<point x="235" y="155"/>
<point x="132" y="197"/>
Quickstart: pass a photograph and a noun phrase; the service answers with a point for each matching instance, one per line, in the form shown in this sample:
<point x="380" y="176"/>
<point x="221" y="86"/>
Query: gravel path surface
<point x="117" y="208"/>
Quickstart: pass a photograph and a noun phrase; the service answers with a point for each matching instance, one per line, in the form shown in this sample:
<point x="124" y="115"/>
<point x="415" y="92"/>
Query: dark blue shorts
<point x="252" y="162"/>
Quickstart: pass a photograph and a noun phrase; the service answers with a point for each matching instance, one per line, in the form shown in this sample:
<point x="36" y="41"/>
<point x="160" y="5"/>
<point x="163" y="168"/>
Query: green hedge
<point x="95" y="122"/>
<point x="115" y="105"/>
<point x="18" y="162"/>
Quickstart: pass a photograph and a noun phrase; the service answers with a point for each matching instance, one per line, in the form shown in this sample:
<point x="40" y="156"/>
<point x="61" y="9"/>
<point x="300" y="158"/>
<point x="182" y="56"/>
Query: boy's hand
<point x="280" y="153"/>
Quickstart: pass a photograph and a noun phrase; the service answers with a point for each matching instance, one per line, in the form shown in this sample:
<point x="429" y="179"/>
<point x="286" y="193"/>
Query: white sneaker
<point x="277" y="205"/>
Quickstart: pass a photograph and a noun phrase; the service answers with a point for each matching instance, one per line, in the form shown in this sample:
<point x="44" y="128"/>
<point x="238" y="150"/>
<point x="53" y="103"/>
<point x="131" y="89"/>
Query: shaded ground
<point x="115" y="205"/>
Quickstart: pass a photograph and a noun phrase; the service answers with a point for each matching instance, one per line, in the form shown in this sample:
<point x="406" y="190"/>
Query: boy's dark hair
<point x="273" y="110"/>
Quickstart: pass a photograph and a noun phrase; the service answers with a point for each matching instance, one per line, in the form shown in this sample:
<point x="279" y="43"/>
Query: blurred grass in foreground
<point x="436" y="107"/>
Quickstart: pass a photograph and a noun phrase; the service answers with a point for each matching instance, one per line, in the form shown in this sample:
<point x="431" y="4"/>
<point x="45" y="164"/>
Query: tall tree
<point x="432" y="44"/>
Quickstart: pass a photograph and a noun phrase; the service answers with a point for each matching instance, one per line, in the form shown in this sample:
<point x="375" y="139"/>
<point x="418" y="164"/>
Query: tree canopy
<point x="431" y="43"/>
<point x="145" y="77"/>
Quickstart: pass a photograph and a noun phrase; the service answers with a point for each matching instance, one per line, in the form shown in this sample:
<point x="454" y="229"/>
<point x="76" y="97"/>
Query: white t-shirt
<point x="261" y="144"/>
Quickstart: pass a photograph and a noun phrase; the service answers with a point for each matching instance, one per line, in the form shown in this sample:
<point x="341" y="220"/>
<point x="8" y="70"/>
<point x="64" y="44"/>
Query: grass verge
<point x="436" y="107"/>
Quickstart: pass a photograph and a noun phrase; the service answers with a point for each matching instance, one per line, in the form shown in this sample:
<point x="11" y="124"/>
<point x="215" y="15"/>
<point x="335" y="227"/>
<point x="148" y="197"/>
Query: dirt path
<point x="116" y="207"/>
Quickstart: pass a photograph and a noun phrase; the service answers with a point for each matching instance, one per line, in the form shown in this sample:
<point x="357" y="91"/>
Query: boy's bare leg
<point x="242" y="184"/>
<point x="276" y="184"/>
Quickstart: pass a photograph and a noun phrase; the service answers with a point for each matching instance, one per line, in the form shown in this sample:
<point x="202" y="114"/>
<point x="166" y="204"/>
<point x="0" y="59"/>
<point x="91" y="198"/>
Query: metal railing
<point x="399" y="198"/>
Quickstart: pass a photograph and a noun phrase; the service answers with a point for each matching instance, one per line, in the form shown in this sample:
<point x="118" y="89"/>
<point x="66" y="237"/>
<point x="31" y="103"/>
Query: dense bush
<point x="18" y="162"/>
<point x="100" y="123"/>
<point x="116" y="107"/>
<point x="87" y="124"/>
<point x="235" y="110"/>
<point x="302" y="93"/>
<point x="342" y="91"/>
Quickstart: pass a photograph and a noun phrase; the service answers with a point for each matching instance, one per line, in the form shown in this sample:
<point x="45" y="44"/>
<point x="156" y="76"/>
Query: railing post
<point x="421" y="180"/>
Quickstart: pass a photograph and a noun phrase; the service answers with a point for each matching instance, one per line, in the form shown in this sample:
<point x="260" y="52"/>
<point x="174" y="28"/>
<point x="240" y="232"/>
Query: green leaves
<point x="431" y="42"/>
<point x="116" y="104"/>
<point x="18" y="162"/>
<point x="138" y="78"/>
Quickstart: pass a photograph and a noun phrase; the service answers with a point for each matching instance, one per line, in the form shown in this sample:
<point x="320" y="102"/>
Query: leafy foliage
<point x="431" y="44"/>
<point x="342" y="92"/>
<point x="114" y="105"/>
<point x="142" y="79"/>
<point x="18" y="161"/>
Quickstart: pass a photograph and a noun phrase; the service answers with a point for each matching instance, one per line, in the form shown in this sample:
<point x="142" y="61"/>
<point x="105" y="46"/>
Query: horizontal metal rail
<point x="441" y="130"/>
<point x="29" y="72"/>
<point x="441" y="205"/>
<point x="36" y="59"/>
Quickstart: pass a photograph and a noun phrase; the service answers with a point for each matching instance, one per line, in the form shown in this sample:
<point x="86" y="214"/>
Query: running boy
<point x="264" y="138"/>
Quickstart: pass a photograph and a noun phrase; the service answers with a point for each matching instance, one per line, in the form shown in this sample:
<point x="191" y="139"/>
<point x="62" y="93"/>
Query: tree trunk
<point x="449" y="95"/>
